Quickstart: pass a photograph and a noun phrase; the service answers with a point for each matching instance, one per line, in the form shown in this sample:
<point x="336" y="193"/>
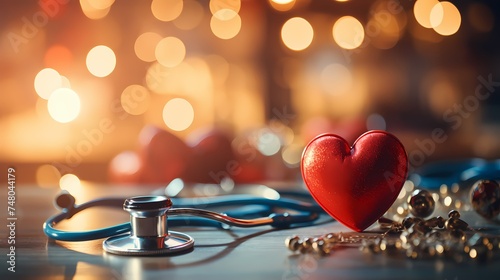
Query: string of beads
<point x="416" y="237"/>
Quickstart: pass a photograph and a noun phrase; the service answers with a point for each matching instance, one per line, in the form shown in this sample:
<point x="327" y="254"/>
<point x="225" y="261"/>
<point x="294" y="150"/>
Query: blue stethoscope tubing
<point x="464" y="172"/>
<point x="249" y="207"/>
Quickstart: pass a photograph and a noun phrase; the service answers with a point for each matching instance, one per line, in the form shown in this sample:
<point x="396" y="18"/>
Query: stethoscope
<point x="463" y="172"/>
<point x="148" y="232"/>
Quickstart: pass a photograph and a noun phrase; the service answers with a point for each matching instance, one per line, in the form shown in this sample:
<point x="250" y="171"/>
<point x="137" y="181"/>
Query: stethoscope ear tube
<point x="69" y="210"/>
<point x="464" y="172"/>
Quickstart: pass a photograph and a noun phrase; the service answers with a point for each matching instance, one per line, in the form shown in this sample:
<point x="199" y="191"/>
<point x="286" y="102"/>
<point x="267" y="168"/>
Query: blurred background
<point x="142" y="92"/>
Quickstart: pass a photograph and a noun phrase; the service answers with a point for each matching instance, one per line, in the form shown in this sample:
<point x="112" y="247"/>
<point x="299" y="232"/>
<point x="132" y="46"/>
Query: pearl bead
<point x="421" y="204"/>
<point x="485" y="198"/>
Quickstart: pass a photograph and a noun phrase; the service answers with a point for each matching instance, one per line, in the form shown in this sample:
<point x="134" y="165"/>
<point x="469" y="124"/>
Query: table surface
<point x="257" y="253"/>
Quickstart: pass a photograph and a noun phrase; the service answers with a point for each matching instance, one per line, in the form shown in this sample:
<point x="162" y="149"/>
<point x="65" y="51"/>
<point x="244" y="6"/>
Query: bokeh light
<point x="58" y="57"/>
<point x="445" y="18"/>
<point x="297" y="33"/>
<point x="65" y="83"/>
<point x="70" y="183"/>
<point x="145" y="46"/>
<point x="101" y="4"/>
<point x="135" y="99"/>
<point x="178" y="114"/>
<point x="191" y="15"/>
<point x="224" y="9"/>
<point x="282" y="2"/>
<point x="46" y="81"/>
<point x="348" y="32"/>
<point x="101" y="61"/>
<point x="336" y="79"/>
<point x="47" y="176"/>
<point x="292" y="155"/>
<point x="64" y="105"/>
<point x="282" y="5"/>
<point x="268" y="143"/>
<point x="375" y="122"/>
<point x="166" y="10"/>
<point x="170" y="51"/>
<point x="89" y="8"/>
<point x="422" y="11"/>
<point x="127" y="162"/>
<point x="225" y="24"/>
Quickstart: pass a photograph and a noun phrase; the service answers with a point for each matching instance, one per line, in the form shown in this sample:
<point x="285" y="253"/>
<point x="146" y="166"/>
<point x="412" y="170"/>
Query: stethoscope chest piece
<point x="149" y="233"/>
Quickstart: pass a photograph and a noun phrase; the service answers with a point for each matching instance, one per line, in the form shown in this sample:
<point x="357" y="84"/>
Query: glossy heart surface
<point x="355" y="185"/>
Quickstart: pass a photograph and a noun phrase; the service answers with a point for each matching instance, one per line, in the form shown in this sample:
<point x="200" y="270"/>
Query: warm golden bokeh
<point x="422" y="11"/>
<point x="47" y="176"/>
<point x="114" y="67"/>
<point x="282" y="2"/>
<point x="225" y="24"/>
<point x="282" y="5"/>
<point x="348" y="32"/>
<point x="224" y="9"/>
<point x="336" y="79"/>
<point x="178" y="114"/>
<point x="58" y="57"/>
<point x="297" y="34"/>
<point x="64" y="105"/>
<point x="100" y="4"/>
<point x="95" y="9"/>
<point x="71" y="183"/>
<point x="170" y="51"/>
<point x="101" y="61"/>
<point x="166" y="10"/>
<point x="191" y="16"/>
<point x="46" y="81"/>
<point x="145" y="46"/>
<point x="135" y="99"/>
<point x="445" y="18"/>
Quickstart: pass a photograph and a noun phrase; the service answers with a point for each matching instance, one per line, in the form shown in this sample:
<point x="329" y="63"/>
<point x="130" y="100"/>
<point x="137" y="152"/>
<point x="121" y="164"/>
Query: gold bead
<point x="441" y="221"/>
<point x="456" y="223"/>
<point x="292" y="243"/>
<point x="408" y="222"/>
<point x="305" y="245"/>
<point x="385" y="223"/>
<point x="421" y="203"/>
<point x="321" y="247"/>
<point x="453" y="214"/>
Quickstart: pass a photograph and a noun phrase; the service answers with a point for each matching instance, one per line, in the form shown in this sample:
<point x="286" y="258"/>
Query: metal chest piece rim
<point x="149" y="233"/>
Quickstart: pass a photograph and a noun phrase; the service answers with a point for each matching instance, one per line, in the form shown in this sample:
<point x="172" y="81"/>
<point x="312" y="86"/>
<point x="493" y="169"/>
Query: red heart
<point x="355" y="185"/>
